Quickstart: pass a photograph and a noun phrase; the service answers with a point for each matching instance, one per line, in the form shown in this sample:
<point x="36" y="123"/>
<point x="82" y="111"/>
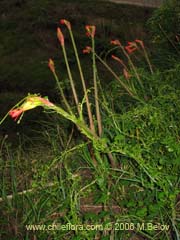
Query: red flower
<point x="131" y="47"/>
<point x="87" y="50"/>
<point x="15" y="113"/>
<point x="51" y="65"/>
<point x="116" y="42"/>
<point x="90" y="30"/>
<point x="65" y="22"/>
<point x="30" y="102"/>
<point x="60" y="36"/>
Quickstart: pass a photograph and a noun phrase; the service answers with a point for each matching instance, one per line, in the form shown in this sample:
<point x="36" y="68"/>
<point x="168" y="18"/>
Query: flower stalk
<point x="91" y="122"/>
<point x="61" y="40"/>
<point x="98" y="115"/>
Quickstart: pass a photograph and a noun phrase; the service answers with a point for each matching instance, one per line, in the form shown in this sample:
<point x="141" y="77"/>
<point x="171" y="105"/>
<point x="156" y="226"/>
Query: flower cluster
<point x="33" y="101"/>
<point x="131" y="47"/>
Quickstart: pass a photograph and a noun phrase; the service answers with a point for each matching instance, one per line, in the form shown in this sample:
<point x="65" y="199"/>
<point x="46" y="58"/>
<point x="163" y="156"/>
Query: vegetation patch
<point x="105" y="163"/>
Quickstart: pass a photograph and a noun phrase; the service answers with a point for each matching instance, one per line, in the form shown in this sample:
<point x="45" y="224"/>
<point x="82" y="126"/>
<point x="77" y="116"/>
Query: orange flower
<point x="87" y="50"/>
<point x="65" y="22"/>
<point x="51" y="65"/>
<point x="60" y="36"/>
<point x="90" y="30"/>
<point x="116" y="42"/>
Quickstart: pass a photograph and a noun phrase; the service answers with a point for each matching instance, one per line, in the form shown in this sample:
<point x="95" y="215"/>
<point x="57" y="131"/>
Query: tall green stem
<point x="83" y="82"/>
<point x="98" y="115"/>
<point x="71" y="79"/>
<point x="148" y="61"/>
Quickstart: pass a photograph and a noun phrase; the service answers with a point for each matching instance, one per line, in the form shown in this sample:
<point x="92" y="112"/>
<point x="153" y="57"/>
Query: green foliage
<point x="144" y="139"/>
<point x="165" y="29"/>
<point x="167" y="17"/>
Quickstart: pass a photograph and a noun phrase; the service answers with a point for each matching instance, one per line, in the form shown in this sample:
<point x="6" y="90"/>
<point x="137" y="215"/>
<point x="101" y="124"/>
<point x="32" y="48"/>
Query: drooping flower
<point x="131" y="47"/>
<point x="51" y="65"/>
<point x="91" y="30"/>
<point x="87" y="49"/>
<point x="117" y="59"/>
<point x="60" y="36"/>
<point x="65" y="22"/>
<point x="116" y="42"/>
<point x="30" y="102"/>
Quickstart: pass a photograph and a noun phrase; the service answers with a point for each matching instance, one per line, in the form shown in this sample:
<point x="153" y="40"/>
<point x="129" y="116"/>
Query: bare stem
<point x="148" y="61"/>
<point x="83" y="82"/>
<point x="62" y="93"/>
<point x="71" y="79"/>
<point x="98" y="115"/>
